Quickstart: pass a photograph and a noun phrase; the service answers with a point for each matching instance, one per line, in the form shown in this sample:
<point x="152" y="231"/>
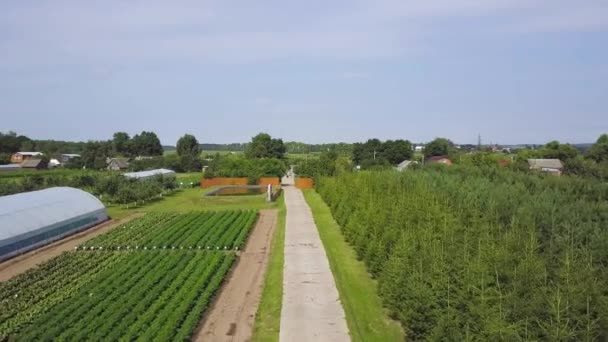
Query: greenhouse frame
<point x="31" y="219"/>
<point x="150" y="174"/>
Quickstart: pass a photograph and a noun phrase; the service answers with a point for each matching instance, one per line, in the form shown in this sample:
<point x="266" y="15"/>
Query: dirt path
<point x="24" y="262"/>
<point x="311" y="309"/>
<point x="232" y="316"/>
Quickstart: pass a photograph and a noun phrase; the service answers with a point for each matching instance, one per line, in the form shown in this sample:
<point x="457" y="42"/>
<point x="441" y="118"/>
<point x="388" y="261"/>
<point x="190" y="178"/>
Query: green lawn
<point x="268" y="317"/>
<point x="193" y="199"/>
<point x="366" y="318"/>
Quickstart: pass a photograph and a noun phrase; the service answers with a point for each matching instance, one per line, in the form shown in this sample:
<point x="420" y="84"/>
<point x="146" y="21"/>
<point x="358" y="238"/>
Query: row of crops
<point x="126" y="295"/>
<point x="481" y="254"/>
<point x="195" y="230"/>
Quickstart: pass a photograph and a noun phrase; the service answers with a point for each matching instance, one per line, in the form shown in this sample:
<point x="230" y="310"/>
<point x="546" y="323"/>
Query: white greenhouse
<point x="32" y="219"/>
<point x="150" y="174"/>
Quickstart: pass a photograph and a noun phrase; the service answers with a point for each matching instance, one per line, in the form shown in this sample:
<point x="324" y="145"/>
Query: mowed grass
<point x="366" y="318"/>
<point x="192" y="199"/>
<point x="268" y="317"/>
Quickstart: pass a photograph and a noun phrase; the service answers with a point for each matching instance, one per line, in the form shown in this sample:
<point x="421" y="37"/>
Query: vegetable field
<point x="195" y="230"/>
<point x="136" y="292"/>
<point x="481" y="254"/>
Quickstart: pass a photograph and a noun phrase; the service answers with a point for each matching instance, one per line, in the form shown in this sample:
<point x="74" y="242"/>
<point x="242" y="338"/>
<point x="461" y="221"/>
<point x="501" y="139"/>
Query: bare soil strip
<point x="232" y="315"/>
<point x="311" y="310"/>
<point x="24" y="262"/>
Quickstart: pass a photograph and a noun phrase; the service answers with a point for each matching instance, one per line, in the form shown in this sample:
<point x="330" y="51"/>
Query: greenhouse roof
<point x="150" y="173"/>
<point x="29" y="211"/>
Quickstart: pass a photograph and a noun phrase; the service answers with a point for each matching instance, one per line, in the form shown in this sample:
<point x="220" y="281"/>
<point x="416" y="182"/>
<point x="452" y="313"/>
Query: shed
<point x="117" y="164"/>
<point x="32" y="219"/>
<point x="553" y="166"/>
<point x="34" y="164"/>
<point x="66" y="157"/>
<point x="405" y="164"/>
<point x="150" y="174"/>
<point x="438" y="160"/>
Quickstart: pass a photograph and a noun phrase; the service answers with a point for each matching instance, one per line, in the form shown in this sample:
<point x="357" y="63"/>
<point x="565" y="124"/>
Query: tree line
<point x="110" y="187"/>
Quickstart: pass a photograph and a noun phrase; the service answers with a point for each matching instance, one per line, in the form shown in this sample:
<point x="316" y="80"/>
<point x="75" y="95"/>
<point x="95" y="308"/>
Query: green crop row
<point x="32" y="293"/>
<point x="112" y="296"/>
<point x="194" y="230"/>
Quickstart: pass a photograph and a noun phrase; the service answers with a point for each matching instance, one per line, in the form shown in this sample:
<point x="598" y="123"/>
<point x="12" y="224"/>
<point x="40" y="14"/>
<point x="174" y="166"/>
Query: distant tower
<point x="479" y="141"/>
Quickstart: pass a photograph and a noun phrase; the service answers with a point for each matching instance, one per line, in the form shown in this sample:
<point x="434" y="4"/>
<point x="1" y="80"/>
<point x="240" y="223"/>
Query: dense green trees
<point x="146" y="144"/>
<point x="121" y="144"/>
<point x="374" y="152"/>
<point x="95" y="154"/>
<point x="264" y="146"/>
<point x="599" y="151"/>
<point x="328" y="164"/>
<point x="438" y="147"/>
<point x="481" y="253"/>
<point x="189" y="152"/>
<point x="237" y="166"/>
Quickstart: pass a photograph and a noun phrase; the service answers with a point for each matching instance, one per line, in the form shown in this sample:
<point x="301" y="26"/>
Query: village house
<point x="553" y="166"/>
<point x="117" y="164"/>
<point x="20" y="157"/>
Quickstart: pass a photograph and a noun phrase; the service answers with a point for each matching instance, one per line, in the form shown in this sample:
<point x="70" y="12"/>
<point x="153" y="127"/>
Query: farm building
<point x="438" y="160"/>
<point x="66" y="157"/>
<point x="117" y="164"/>
<point x="405" y="164"/>
<point x="150" y="174"/>
<point x="20" y="157"/>
<point x="32" y="219"/>
<point x="35" y="164"/>
<point x="553" y="166"/>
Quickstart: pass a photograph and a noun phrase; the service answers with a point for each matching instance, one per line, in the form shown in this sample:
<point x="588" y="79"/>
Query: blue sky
<point x="514" y="71"/>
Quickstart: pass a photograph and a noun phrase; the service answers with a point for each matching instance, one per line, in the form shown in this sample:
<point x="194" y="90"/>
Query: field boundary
<point x="367" y="319"/>
<point x="232" y="313"/>
<point x="268" y="316"/>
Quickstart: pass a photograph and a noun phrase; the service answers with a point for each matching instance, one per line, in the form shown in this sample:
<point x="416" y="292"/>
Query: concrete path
<point x="311" y="309"/>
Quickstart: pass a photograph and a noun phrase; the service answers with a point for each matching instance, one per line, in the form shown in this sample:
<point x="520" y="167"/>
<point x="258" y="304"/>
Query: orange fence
<point x="274" y="181"/>
<point x="304" y="183"/>
<point x="209" y="182"/>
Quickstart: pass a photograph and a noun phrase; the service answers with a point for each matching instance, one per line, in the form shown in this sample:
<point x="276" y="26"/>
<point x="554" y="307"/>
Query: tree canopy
<point x="146" y="144"/>
<point x="374" y="152"/>
<point x="438" y="147"/>
<point x="187" y="145"/>
<point x="264" y="146"/>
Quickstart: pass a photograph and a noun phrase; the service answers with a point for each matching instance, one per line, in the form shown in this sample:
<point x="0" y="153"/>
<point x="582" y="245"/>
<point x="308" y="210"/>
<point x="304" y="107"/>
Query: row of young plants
<point x="193" y="230"/>
<point x="159" y="296"/>
<point x="481" y="253"/>
<point x="32" y="293"/>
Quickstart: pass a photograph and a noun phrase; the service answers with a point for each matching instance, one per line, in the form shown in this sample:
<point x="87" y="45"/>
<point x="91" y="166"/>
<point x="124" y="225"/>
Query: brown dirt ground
<point x="232" y="315"/>
<point x="24" y="262"/>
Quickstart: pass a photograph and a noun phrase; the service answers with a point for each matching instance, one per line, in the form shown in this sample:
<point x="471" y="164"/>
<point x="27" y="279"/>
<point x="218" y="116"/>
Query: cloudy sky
<point x="514" y="71"/>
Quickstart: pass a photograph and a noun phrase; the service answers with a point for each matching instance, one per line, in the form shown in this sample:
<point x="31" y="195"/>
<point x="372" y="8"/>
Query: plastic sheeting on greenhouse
<point x="34" y="218"/>
<point x="150" y="173"/>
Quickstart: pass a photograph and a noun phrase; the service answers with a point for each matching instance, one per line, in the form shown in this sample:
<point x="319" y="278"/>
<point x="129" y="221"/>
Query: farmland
<point x="119" y="286"/>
